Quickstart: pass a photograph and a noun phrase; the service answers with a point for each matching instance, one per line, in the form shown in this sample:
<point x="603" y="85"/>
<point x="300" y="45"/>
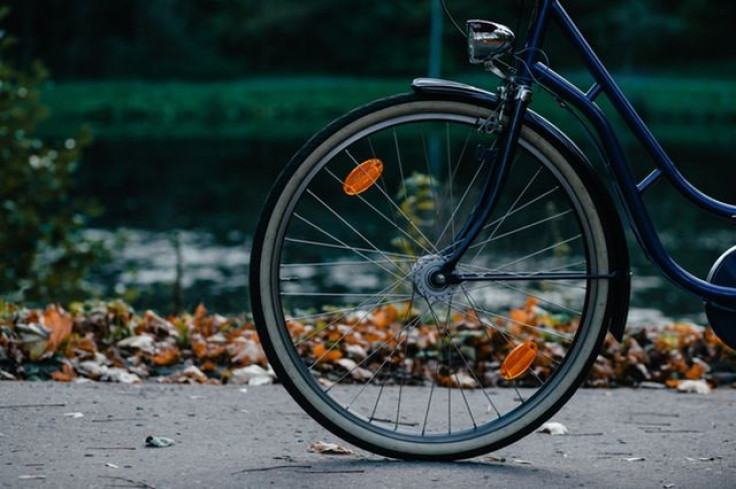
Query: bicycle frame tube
<point x="626" y="185"/>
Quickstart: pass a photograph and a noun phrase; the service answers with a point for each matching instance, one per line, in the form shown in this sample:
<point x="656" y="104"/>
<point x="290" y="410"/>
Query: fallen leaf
<point x="252" y="375"/>
<point x="463" y="380"/>
<point x="199" y="314"/>
<point x="383" y="317"/>
<point x="166" y="356"/>
<point x="66" y="374"/>
<point x="696" y="372"/>
<point x="144" y="343"/>
<point x="120" y="375"/>
<point x="159" y="442"/>
<point x="553" y="428"/>
<point x="322" y="354"/>
<point x="694" y="387"/>
<point x="34" y="339"/>
<point x="328" y="448"/>
<point x="59" y="323"/>
<point x="520" y="461"/>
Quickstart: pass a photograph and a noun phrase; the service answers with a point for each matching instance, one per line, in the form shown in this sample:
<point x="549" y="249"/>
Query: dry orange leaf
<point x="199" y="319"/>
<point x="383" y="317"/>
<point x="696" y="372"/>
<point x="519" y="315"/>
<point x="199" y="348"/>
<point x="166" y="356"/>
<point x="66" y="374"/>
<point x="208" y="366"/>
<point x="59" y="322"/>
<point x="354" y="339"/>
<point x="531" y="302"/>
<point x="295" y="328"/>
<point x="322" y="354"/>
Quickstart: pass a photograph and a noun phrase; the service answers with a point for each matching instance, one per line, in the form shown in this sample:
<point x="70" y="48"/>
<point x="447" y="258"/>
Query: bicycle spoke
<point x="505" y="334"/>
<point x="393" y="204"/>
<point x="520" y="229"/>
<point x="347" y="247"/>
<point x="510" y="209"/>
<point x="527" y="293"/>
<point x="341" y="263"/>
<point x="539" y="252"/>
<point x="355" y="250"/>
<point x="339" y="311"/>
<point x="558" y="282"/>
<point x="522" y="207"/>
<point x="386" y="290"/>
<point x="509" y="337"/>
<point x="411" y="323"/>
<point x="471" y="372"/>
<point x="460" y="203"/>
<point x="429" y="173"/>
<point x="381" y="214"/>
<point x="450" y="178"/>
<point x="346" y="223"/>
<point x="565" y="337"/>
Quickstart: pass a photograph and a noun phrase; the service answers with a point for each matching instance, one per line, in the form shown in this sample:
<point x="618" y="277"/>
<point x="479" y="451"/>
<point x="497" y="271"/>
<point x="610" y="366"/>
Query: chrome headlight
<point x="487" y="40"/>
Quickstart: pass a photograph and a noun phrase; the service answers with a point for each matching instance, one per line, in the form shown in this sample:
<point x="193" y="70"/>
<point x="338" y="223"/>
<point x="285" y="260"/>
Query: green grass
<point x="278" y="108"/>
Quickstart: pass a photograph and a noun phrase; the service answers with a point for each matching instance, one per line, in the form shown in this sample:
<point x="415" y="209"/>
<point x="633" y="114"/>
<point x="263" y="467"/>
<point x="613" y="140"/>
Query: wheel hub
<point x="429" y="282"/>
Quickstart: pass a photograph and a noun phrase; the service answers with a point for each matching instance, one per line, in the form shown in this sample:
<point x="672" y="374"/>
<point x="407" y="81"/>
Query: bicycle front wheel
<point x="358" y="334"/>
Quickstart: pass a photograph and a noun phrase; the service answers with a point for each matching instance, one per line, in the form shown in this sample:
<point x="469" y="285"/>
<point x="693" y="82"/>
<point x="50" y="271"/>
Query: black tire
<point x="307" y="209"/>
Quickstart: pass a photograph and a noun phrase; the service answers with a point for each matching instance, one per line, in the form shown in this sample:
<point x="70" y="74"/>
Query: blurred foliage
<point x="42" y="252"/>
<point x="278" y="109"/>
<point x="215" y="39"/>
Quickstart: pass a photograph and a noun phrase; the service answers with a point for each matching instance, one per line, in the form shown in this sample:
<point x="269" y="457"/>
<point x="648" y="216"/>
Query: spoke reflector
<point x="519" y="360"/>
<point x="363" y="177"/>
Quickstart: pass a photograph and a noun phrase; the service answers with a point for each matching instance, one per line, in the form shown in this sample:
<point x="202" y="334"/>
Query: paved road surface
<point x="258" y="439"/>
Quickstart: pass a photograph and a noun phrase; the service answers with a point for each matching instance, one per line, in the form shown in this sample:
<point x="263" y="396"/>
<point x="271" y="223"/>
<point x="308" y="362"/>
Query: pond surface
<point x="187" y="211"/>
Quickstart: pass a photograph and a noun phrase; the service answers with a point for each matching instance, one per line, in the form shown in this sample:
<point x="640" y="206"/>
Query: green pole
<point x="435" y="40"/>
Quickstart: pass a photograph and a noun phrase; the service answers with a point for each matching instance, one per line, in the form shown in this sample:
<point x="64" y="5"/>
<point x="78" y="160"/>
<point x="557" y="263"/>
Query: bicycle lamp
<point x="486" y="40"/>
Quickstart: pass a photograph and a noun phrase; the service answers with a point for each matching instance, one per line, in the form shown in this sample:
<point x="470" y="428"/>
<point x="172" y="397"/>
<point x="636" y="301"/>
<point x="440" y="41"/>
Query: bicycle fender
<point x="618" y="303"/>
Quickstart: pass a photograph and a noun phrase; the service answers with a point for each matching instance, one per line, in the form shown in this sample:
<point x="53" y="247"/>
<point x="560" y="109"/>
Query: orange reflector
<point x="519" y="360"/>
<point x="363" y="177"/>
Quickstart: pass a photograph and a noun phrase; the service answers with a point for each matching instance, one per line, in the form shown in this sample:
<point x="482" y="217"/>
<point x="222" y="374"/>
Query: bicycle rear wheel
<point x="370" y="349"/>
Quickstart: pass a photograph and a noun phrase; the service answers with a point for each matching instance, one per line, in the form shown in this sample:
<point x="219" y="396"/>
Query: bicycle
<point x="418" y="223"/>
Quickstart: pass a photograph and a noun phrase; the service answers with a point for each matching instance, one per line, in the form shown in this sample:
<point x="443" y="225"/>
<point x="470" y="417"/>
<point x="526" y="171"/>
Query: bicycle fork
<point x="501" y="159"/>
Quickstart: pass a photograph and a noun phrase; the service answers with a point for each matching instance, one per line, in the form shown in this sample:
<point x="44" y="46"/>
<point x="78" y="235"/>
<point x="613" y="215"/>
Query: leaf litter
<point x="111" y="342"/>
<point x="159" y="442"/>
<point x="554" y="428"/>
<point x="326" y="448"/>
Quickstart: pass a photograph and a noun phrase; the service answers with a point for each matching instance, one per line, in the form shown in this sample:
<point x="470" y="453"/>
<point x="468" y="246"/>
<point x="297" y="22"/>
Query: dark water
<point x="206" y="196"/>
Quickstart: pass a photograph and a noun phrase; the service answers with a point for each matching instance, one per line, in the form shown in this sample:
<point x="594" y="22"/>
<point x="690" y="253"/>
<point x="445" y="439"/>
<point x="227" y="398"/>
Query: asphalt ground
<point x="255" y="437"/>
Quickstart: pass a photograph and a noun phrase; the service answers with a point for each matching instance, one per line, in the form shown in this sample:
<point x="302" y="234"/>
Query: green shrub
<point x="43" y="255"/>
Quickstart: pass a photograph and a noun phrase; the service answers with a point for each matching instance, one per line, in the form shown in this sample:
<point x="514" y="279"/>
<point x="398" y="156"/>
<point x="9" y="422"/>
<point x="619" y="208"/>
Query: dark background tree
<point x="42" y="251"/>
<point x="215" y="39"/>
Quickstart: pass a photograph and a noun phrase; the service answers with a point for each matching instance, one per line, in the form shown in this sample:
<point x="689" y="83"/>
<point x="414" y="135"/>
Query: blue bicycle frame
<point x="532" y="70"/>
